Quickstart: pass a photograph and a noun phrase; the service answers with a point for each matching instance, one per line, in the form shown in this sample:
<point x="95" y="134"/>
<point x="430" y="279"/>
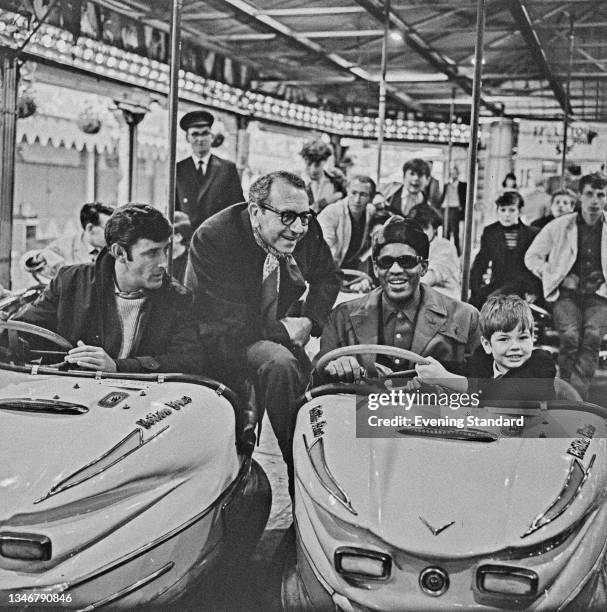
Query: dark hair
<point x="316" y="151"/>
<point x="597" y="180"/>
<point x="564" y="192"/>
<point x="90" y="212"/>
<point x="132" y="222"/>
<point x="425" y="215"/>
<point x="510" y="198"/>
<point x="183" y="226"/>
<point x="417" y="165"/>
<point x="404" y="231"/>
<point x="503" y="313"/>
<point x="366" y="180"/>
<point x="259" y="192"/>
<point x="511" y="176"/>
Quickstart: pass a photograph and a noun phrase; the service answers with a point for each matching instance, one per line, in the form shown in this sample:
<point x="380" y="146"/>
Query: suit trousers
<point x="279" y="379"/>
<point x="581" y="321"/>
<point x="452" y="225"/>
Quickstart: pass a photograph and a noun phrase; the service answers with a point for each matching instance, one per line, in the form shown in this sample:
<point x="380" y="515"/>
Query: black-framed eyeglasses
<point x="288" y="217"/>
<point x="406" y="262"/>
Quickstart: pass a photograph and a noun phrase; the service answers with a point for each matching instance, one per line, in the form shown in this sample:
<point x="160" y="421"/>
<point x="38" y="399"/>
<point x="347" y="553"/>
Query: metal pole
<point x="382" y="88"/>
<point x="472" y="151"/>
<point x="568" y="94"/>
<point x="9" y="77"/>
<point x="449" y="158"/>
<point x="173" y="104"/>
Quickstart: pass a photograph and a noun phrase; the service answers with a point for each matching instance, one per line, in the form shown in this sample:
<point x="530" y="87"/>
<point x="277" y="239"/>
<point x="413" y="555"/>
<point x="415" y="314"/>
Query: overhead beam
<point x="431" y="55"/>
<point x="523" y="21"/>
<point x="246" y="13"/>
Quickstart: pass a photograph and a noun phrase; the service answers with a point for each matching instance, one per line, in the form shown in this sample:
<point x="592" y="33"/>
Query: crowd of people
<point x="253" y="281"/>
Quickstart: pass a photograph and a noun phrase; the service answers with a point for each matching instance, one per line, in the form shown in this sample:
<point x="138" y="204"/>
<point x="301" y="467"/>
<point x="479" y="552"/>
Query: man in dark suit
<point x="453" y="206"/>
<point x="248" y="266"/>
<point x="499" y="266"/>
<point x="206" y="183"/>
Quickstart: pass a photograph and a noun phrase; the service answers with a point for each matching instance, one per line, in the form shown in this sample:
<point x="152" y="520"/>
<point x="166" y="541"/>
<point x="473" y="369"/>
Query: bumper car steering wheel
<point x="17" y="345"/>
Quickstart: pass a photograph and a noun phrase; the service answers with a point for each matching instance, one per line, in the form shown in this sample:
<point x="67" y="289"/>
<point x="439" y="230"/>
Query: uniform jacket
<point x="507" y="267"/>
<point x="336" y="225"/>
<point x="446" y="329"/>
<point x="225" y="273"/>
<point x="461" y="194"/>
<point x="79" y="304"/>
<point x="219" y="189"/>
<point x="554" y="251"/>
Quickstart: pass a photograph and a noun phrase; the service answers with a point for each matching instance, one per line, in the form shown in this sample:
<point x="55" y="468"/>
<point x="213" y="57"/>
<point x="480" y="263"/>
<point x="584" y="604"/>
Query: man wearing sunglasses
<point x="248" y="267"/>
<point x="402" y="312"/>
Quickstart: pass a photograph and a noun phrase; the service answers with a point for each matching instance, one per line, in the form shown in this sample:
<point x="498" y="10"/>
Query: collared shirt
<point x="399" y="325"/>
<point x="588" y="260"/>
<point x="497" y="371"/>
<point x="409" y="200"/>
<point x="204" y="160"/>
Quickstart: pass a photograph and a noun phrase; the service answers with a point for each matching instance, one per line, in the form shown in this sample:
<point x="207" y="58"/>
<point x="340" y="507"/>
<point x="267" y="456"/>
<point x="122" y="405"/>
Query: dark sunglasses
<point x="288" y="217"/>
<point x="406" y="262"/>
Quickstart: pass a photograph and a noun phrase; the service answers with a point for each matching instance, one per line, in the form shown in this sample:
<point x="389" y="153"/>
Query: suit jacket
<point x="336" y="225"/>
<point x="225" y="273"/>
<point x="219" y="188"/>
<point x="554" y="251"/>
<point x="506" y="267"/>
<point x="446" y="329"/>
<point x="79" y="304"/>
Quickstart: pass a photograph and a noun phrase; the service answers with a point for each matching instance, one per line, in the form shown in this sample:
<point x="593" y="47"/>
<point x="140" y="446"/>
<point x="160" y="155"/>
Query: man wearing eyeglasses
<point x="206" y="183"/>
<point x="402" y="312"/>
<point x="249" y="264"/>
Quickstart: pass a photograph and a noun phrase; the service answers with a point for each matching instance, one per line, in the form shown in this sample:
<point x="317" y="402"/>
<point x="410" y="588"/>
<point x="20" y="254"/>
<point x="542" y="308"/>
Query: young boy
<point x="505" y="366"/>
<point x="503" y="245"/>
<point x="562" y="202"/>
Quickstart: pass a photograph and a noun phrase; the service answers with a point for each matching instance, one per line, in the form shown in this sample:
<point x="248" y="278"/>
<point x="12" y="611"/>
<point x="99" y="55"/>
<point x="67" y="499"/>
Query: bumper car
<point x="439" y="517"/>
<point x="119" y="490"/>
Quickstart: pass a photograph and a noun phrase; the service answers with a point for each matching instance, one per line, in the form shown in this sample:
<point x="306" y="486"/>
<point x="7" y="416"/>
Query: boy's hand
<point x="91" y="358"/>
<point x="433" y="372"/>
<point x="571" y="281"/>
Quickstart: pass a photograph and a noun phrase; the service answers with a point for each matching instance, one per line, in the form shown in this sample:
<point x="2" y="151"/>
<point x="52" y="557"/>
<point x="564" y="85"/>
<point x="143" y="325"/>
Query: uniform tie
<point x="200" y="170"/>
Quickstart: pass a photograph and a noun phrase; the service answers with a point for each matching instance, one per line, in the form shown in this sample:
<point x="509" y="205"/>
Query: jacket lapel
<point x="431" y="316"/>
<point x="209" y="176"/>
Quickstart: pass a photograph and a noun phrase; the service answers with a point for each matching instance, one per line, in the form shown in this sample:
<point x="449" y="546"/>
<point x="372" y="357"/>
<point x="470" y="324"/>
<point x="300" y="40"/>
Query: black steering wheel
<point x="17" y="347"/>
<point x="379" y="349"/>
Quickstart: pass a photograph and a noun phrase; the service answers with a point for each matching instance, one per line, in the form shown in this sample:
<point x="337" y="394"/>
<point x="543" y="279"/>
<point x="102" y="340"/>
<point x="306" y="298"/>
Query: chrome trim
<point x="30" y="404"/>
<point x="55" y="489"/>
<point x="347" y="503"/>
<point x="129" y="589"/>
<point x="435" y="530"/>
<point x="537" y="522"/>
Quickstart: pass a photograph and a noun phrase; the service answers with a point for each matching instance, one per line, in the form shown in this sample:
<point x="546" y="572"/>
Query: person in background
<point x="402" y="312"/>
<point x="537" y="202"/>
<point x="324" y="186"/>
<point x="443" y="263"/>
<point x="433" y="191"/>
<point x="182" y="233"/>
<point x="509" y="182"/>
<point x="400" y="198"/>
<point x="80" y="247"/>
<point x="503" y="247"/>
<point x="206" y="183"/>
<point x="247" y="268"/>
<point x="346" y="226"/>
<point x="569" y="255"/>
<point x="453" y="206"/>
<point x="123" y="313"/>
<point x="561" y="203"/>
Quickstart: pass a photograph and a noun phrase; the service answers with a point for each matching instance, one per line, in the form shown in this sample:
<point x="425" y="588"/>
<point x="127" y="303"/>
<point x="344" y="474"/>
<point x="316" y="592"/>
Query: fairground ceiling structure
<point x="329" y="54"/>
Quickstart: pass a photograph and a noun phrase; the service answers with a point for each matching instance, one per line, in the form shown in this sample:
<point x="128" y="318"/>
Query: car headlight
<point x="505" y="580"/>
<point x="362" y="564"/>
<point x="25" y="546"/>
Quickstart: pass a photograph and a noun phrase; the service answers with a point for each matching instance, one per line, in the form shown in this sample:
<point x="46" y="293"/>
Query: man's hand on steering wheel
<point x="362" y="286"/>
<point x="345" y="369"/>
<point x="91" y="358"/>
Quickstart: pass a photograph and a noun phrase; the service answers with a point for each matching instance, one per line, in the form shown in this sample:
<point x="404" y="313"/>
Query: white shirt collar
<point x="497" y="371"/>
<point x="204" y="160"/>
